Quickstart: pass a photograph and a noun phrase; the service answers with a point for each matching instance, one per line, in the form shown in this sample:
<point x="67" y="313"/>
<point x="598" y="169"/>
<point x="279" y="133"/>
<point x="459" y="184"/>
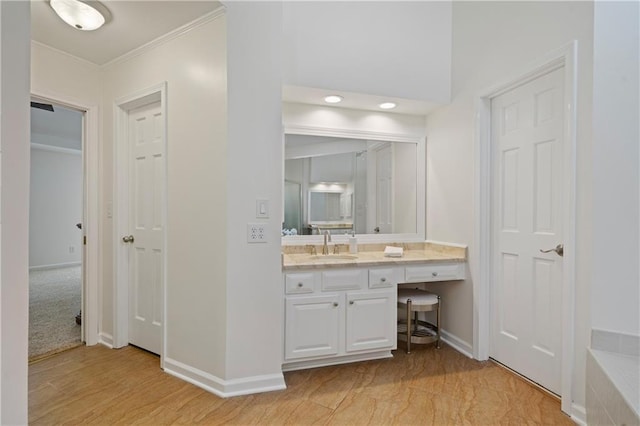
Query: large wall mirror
<point x="367" y="185"/>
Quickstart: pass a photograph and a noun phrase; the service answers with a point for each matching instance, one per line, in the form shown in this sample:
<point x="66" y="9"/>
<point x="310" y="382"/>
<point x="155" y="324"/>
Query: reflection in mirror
<point x="349" y="185"/>
<point x="292" y="207"/>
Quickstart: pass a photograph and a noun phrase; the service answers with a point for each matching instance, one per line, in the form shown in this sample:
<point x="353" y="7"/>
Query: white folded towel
<point x="390" y="251"/>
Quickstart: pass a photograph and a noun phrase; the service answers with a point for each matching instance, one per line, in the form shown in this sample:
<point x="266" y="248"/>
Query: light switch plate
<point x="262" y="209"/>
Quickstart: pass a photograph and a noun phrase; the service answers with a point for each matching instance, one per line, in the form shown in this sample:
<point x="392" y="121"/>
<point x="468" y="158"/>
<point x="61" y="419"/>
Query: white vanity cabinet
<point x="350" y="315"/>
<point x="371" y="320"/>
<point x="312" y="326"/>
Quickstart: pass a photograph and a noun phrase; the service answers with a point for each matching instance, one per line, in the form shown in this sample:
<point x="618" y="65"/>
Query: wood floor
<point x="96" y="385"/>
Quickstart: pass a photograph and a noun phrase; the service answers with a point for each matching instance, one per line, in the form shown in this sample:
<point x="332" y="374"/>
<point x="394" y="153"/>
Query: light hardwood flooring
<point x="96" y="385"/>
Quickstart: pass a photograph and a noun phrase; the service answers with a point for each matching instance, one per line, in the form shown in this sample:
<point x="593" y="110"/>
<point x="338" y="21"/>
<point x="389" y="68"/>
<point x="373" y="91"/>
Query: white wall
<point x="493" y="42"/>
<point x="55" y="208"/>
<point x="397" y="49"/>
<point x="210" y="180"/>
<point x="14" y="210"/>
<point x="615" y="292"/>
<point x="254" y="171"/>
<point x="194" y="67"/>
<point x="54" y="73"/>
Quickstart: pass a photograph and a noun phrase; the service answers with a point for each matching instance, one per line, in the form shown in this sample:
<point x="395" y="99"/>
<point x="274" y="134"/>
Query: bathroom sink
<point x="333" y="257"/>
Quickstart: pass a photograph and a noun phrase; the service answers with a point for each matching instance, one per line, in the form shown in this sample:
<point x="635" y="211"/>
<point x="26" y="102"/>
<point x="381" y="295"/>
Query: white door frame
<point x="92" y="264"/>
<point x="565" y="57"/>
<point x="121" y="109"/>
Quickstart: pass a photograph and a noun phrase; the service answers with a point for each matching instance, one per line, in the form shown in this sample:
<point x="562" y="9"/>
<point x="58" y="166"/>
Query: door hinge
<point x="84" y="240"/>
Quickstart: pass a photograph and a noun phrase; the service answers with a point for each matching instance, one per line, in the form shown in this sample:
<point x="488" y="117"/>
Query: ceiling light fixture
<point x="388" y="105"/>
<point x="82" y="15"/>
<point x="333" y="99"/>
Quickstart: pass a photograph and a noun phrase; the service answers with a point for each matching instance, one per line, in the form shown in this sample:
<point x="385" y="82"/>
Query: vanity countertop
<point x="300" y="257"/>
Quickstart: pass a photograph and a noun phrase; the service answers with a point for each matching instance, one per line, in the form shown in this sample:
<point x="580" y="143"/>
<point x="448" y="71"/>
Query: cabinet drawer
<point x="345" y="279"/>
<point x="435" y="272"/>
<point x="303" y="282"/>
<point x="381" y="278"/>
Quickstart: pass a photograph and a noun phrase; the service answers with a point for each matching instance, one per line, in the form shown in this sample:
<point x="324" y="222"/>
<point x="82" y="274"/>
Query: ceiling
<point x="132" y="24"/>
<point x="136" y="23"/>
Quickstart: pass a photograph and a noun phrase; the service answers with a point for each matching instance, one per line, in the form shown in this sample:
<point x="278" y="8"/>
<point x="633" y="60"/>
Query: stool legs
<point x="438" y="323"/>
<point x="409" y="326"/>
<point x="418" y="331"/>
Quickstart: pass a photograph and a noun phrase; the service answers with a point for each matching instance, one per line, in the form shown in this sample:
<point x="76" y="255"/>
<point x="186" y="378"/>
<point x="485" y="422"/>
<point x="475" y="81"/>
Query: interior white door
<point x="384" y="190"/>
<point x="147" y="224"/>
<point x="527" y="145"/>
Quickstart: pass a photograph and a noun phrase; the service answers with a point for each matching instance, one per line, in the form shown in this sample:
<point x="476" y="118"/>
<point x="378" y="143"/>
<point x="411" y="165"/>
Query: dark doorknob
<point x="79" y="225"/>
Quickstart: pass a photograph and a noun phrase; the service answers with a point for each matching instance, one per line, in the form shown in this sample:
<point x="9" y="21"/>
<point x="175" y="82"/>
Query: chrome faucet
<point x="327" y="239"/>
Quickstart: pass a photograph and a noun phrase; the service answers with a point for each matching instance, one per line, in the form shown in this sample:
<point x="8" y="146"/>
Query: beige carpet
<point x="54" y="301"/>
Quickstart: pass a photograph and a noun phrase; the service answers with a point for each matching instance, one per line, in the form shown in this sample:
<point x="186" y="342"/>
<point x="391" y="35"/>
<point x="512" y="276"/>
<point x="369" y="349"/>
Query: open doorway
<point x="55" y="229"/>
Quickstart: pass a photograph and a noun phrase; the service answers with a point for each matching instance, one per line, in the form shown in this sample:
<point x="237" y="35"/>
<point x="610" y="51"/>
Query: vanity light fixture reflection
<point x="388" y="105"/>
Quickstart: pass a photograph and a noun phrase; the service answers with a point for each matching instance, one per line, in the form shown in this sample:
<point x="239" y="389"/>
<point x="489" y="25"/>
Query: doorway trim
<point x="92" y="264"/>
<point x="566" y="58"/>
<point x="121" y="109"/>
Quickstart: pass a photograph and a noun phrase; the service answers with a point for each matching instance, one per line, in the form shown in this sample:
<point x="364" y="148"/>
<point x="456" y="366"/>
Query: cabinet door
<point x="371" y="320"/>
<point x="311" y="328"/>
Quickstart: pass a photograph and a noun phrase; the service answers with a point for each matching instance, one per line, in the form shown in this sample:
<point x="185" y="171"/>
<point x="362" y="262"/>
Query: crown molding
<point x="165" y="38"/>
<point x="67" y="54"/>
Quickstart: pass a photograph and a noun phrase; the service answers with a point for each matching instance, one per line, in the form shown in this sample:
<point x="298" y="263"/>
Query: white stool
<point x="417" y="331"/>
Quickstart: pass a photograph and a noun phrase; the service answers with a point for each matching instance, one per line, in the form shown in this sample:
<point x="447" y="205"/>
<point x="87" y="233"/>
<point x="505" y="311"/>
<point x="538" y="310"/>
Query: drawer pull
<point x="383" y="279"/>
<point x="300" y="285"/>
<point x="434" y="274"/>
<point x="351" y="302"/>
<point x="335" y="304"/>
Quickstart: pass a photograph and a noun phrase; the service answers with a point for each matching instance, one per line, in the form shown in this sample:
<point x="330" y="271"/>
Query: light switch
<point x="262" y="208"/>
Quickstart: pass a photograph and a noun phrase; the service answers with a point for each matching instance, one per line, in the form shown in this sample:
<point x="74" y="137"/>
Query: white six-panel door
<point x="147" y="226"/>
<point x="526" y="288"/>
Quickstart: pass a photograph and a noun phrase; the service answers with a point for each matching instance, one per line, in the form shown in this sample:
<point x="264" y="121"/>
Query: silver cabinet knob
<point x="434" y="274"/>
<point x="127" y="239"/>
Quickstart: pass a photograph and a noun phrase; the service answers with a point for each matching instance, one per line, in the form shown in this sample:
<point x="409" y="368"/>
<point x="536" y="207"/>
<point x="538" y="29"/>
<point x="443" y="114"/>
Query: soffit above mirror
<point x="356" y="101"/>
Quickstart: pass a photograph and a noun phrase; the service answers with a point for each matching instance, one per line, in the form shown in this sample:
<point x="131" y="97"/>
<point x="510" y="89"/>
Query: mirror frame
<point x="420" y="142"/>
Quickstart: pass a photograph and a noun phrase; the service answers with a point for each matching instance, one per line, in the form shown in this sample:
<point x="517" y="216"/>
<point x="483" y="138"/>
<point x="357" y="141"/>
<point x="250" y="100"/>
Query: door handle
<point x="127" y="239"/>
<point x="559" y="249"/>
<point x="376" y="229"/>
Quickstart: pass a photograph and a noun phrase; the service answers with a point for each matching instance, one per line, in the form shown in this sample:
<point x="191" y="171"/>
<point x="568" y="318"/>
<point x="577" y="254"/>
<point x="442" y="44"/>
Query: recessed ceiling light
<point x="81" y="15"/>
<point x="333" y="99"/>
<point x="388" y="105"/>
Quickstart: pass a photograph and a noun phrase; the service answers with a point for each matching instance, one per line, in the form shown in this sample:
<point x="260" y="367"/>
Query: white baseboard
<point x="323" y="362"/>
<point x="457" y="343"/>
<point x="579" y="414"/>
<point x="106" y="339"/>
<point x="54" y="266"/>
<point x="224" y="388"/>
